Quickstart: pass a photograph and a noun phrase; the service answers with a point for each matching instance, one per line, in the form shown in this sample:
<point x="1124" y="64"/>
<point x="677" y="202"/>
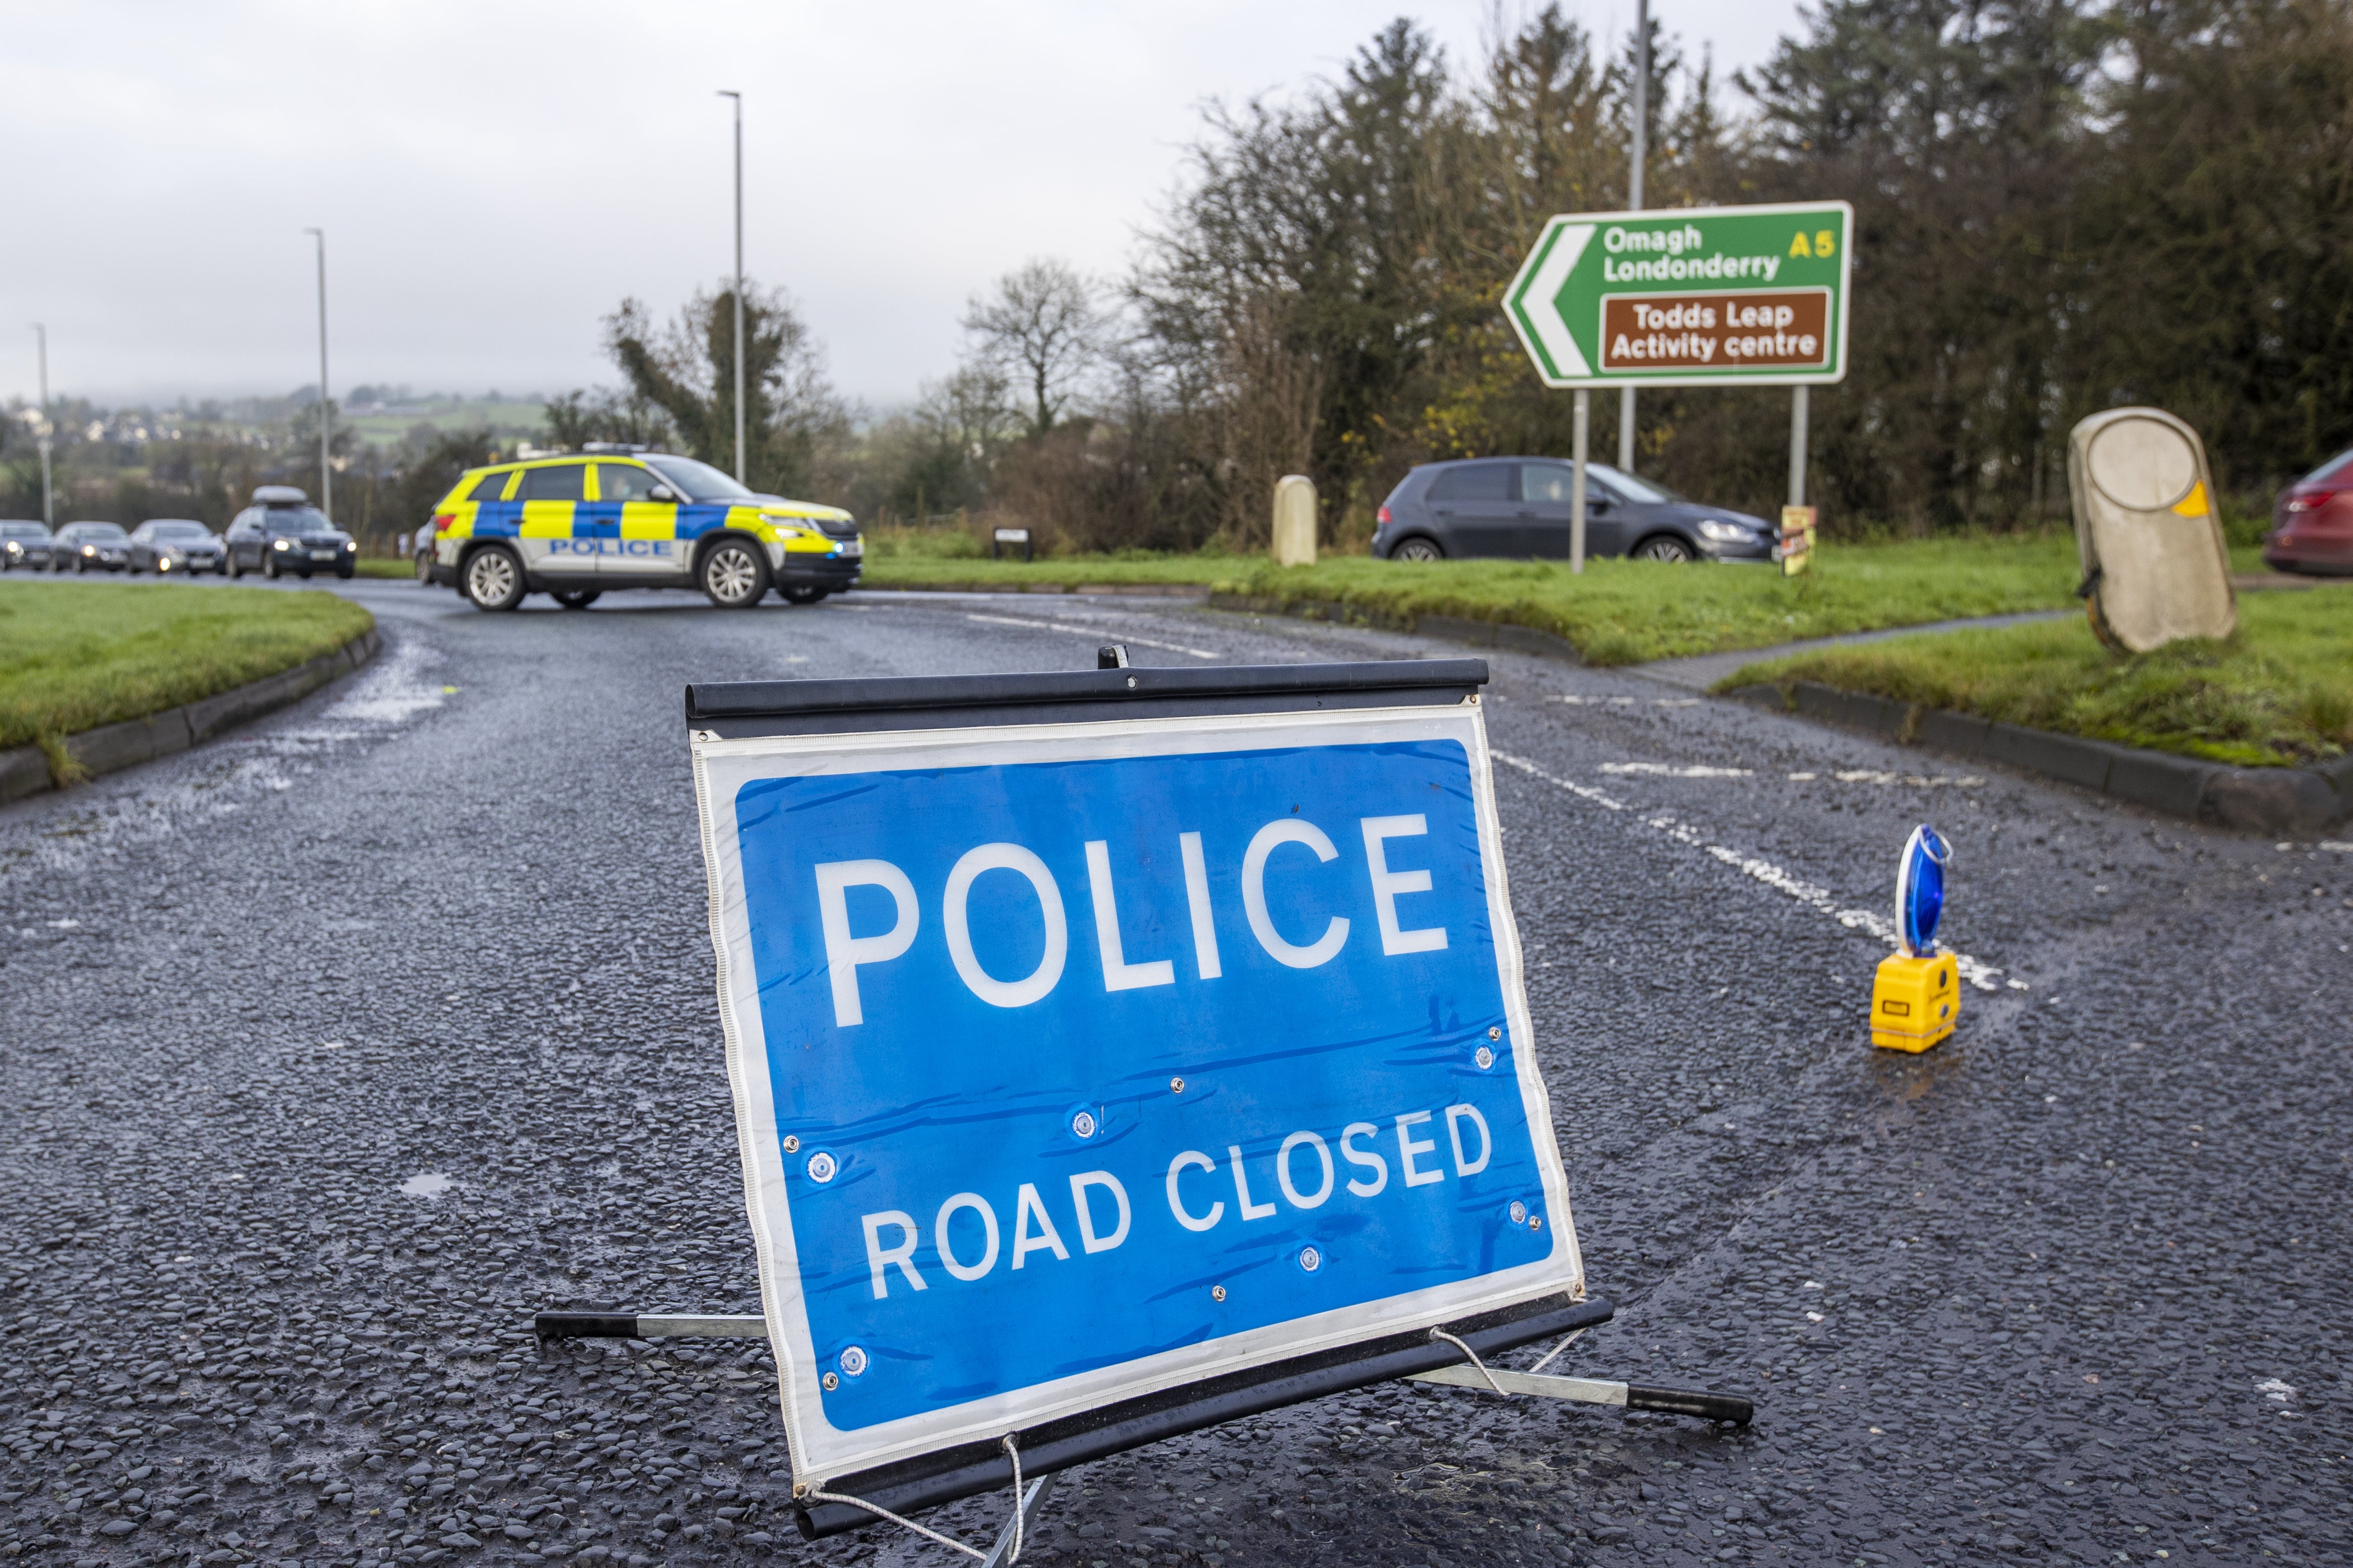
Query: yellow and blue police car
<point x="614" y="517"/>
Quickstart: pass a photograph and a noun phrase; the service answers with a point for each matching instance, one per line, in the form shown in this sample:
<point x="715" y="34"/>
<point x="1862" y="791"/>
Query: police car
<point x="575" y="526"/>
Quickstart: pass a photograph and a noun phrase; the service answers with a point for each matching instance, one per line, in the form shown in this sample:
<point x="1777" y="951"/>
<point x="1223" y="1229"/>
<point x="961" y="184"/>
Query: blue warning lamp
<point x="1920" y="890"/>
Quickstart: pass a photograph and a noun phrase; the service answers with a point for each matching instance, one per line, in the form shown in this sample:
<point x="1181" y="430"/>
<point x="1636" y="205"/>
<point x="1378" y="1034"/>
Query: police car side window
<point x="624" y="481"/>
<point x="563" y="481"/>
<point x="489" y="487"/>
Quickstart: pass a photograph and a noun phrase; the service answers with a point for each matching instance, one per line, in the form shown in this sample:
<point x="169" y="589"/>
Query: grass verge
<point x="2277" y="693"/>
<point x="376" y="566"/>
<point x="1619" y="612"/>
<point x="74" y="656"/>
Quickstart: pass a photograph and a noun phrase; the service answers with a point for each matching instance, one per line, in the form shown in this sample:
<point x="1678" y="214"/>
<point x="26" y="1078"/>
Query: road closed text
<point x="970" y="1236"/>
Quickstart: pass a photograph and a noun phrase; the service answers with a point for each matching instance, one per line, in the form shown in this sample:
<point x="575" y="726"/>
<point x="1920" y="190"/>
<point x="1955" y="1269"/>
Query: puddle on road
<point x="426" y="1184"/>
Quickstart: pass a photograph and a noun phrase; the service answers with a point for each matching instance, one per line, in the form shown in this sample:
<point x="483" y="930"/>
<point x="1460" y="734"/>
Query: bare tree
<point x="1042" y="324"/>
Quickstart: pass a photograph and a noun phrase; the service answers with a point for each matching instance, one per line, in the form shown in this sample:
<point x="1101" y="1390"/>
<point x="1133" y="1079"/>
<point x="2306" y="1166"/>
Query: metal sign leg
<point x="1033" y="1502"/>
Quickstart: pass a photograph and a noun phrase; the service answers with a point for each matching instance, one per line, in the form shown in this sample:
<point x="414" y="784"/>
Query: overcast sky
<point x="494" y="176"/>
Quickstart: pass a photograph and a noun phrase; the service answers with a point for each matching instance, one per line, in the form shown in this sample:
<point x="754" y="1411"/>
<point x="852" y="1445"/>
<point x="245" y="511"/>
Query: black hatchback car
<point x="1519" y="508"/>
<point x="281" y="532"/>
<point x="89" y="547"/>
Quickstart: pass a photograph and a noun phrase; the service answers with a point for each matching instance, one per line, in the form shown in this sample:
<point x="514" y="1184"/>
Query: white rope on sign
<point x="1466" y="1349"/>
<point x="978" y="1555"/>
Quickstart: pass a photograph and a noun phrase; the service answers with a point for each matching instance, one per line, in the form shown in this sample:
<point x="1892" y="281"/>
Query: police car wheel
<point x="575" y="598"/>
<point x="733" y="576"/>
<point x="494" y="581"/>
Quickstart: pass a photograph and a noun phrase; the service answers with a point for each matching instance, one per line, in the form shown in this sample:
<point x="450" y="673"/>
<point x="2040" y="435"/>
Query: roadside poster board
<point x="1795" y="549"/>
<point x="1084" y="1052"/>
<point x="1688" y="297"/>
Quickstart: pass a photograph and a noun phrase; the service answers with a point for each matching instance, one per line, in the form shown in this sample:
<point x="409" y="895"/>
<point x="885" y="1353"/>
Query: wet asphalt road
<point x="2068" y="1288"/>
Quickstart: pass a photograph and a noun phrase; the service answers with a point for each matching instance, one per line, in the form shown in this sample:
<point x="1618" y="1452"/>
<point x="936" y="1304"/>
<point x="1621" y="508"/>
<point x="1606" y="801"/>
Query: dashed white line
<point x="1091" y="631"/>
<point x="1668" y="770"/>
<point x="1974" y="971"/>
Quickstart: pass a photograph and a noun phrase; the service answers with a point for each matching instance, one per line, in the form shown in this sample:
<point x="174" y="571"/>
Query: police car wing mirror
<point x="662" y="493"/>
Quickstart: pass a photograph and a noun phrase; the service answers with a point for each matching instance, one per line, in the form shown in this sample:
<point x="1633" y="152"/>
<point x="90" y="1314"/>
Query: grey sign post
<point x="1694" y="297"/>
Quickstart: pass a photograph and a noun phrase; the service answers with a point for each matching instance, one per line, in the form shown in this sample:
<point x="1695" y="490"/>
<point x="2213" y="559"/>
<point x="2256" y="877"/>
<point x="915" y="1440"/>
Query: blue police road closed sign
<point x="1078" y="1061"/>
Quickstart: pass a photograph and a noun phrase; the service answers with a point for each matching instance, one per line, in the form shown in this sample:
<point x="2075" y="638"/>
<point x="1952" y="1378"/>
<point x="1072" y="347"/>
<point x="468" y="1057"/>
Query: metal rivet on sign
<point x="822" y="1167"/>
<point x="1309" y="1260"/>
<point x="1485" y="1058"/>
<point x="1176" y="1086"/>
<point x="791" y="1142"/>
<point x="1083" y="1124"/>
<point x="1494" y="1034"/>
<point x="853" y="1361"/>
<point x="1519" y="1212"/>
<point x="829" y="1383"/>
<point x="1217" y="1292"/>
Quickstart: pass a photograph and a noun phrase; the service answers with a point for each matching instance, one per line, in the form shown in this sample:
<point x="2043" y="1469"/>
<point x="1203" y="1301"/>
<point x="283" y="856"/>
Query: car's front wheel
<point x="1663" y="547"/>
<point x="425" y="568"/>
<point x="494" y="580"/>
<point x="1418" y="549"/>
<point x="269" y="566"/>
<point x="733" y="576"/>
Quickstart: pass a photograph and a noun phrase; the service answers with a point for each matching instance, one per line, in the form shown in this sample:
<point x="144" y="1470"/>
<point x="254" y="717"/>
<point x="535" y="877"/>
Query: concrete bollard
<point x="1294" y="521"/>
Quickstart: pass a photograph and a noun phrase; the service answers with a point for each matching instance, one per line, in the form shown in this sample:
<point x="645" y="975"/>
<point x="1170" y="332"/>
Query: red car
<point x="2312" y="523"/>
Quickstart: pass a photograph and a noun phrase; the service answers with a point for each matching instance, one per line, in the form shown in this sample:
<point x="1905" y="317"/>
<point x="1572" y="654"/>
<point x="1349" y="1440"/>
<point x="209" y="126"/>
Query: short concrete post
<point x="1294" y="521"/>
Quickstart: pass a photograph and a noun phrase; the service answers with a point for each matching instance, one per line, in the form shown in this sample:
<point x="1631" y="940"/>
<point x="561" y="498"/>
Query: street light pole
<point x="326" y="416"/>
<point x="739" y="283"/>
<point x="1635" y="199"/>
<point x="49" y="509"/>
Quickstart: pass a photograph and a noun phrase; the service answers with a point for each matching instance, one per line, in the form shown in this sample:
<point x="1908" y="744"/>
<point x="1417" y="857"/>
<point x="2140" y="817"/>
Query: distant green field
<point x="74" y="656"/>
<point x="504" y="418"/>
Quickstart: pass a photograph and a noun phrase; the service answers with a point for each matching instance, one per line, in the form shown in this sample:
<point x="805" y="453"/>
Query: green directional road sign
<point x="1695" y="296"/>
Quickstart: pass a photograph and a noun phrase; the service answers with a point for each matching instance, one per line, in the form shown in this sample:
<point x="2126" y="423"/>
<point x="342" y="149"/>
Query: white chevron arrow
<point x="1533" y="308"/>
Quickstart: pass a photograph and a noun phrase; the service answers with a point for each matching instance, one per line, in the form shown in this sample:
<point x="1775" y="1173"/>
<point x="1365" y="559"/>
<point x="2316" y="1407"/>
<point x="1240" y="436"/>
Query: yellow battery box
<point x="1914" y="1001"/>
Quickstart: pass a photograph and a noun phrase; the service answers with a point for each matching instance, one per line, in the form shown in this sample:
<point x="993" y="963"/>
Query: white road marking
<point x="1627" y="702"/>
<point x="1667" y="770"/>
<point x="1974" y="971"/>
<point x="1091" y="631"/>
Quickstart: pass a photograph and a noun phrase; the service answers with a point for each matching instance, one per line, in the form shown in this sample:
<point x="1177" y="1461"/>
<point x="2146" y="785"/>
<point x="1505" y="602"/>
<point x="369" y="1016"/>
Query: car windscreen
<point x="295" y="519"/>
<point x="23" y="531"/>
<point x="2337" y="471"/>
<point x="697" y="481"/>
<point x="1633" y="489"/>
<point x="99" y="534"/>
<point x="178" y="530"/>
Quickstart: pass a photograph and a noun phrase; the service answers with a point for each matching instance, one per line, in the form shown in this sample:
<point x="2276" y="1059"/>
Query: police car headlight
<point x="1722" y="533"/>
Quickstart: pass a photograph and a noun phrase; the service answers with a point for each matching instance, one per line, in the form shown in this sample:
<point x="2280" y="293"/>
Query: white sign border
<point x="1593" y="222"/>
<point x="820" y="1450"/>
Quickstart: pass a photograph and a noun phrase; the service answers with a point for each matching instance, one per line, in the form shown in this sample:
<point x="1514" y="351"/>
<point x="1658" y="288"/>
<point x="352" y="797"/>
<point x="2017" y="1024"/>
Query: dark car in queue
<point x="282" y="532"/>
<point x="22" y="544"/>
<point x="90" y="547"/>
<point x="2312" y="523"/>
<point x="176" y="546"/>
<point x="1518" y="508"/>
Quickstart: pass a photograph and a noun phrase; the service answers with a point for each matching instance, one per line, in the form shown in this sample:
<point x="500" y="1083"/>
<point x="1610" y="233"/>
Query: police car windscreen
<point x="697" y="481"/>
